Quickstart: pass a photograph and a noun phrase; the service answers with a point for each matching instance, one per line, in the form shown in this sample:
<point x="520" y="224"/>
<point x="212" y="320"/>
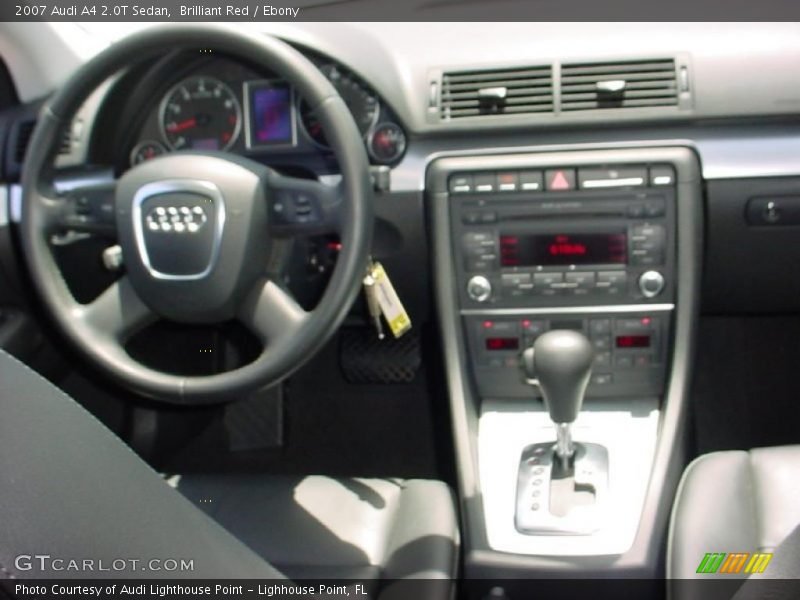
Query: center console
<point x="584" y="248"/>
<point x="592" y="254"/>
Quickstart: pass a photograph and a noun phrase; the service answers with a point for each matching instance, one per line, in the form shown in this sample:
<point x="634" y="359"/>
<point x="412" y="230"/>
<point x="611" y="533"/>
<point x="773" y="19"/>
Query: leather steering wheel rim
<point x="298" y="340"/>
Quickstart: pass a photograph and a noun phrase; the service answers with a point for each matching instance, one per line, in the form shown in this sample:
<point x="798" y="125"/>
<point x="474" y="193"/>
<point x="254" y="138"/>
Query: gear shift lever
<point x="560" y="363"/>
<point x="562" y="492"/>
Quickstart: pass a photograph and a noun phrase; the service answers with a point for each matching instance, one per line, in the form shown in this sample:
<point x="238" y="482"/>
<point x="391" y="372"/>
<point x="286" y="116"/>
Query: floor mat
<point x="745" y="392"/>
<point x="333" y="427"/>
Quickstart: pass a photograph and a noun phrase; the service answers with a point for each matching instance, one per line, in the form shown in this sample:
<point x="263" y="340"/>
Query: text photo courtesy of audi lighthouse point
<point x="200" y="11"/>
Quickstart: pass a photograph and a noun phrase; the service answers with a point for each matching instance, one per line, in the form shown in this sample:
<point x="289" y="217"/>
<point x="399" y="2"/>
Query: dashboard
<point x="540" y="177"/>
<point x="213" y="103"/>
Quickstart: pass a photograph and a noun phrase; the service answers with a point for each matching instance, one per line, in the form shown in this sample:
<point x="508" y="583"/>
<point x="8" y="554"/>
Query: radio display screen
<point x="559" y="249"/>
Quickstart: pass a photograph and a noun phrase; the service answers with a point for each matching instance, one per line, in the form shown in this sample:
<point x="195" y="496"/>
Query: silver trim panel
<point x="568" y="310"/>
<point x="728" y="152"/>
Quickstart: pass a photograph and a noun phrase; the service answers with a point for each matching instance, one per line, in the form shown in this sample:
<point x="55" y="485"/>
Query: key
<point x="389" y="303"/>
<point x="373" y="306"/>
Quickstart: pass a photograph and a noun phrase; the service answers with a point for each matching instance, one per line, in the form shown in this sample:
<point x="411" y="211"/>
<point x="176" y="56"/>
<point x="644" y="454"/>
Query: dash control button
<point x="507" y="181"/>
<point x="662" y="176"/>
<point x="484" y="183"/>
<point x="560" y="179"/>
<point x="460" y="184"/>
<point x="531" y="181"/>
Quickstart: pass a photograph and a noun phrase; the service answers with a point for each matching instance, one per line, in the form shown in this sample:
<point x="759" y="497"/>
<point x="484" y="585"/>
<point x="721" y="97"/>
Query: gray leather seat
<point x="320" y="527"/>
<point x="734" y="502"/>
<point x="70" y="488"/>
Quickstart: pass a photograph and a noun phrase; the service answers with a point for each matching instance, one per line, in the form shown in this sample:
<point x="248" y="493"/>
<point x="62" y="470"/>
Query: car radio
<point x="564" y="236"/>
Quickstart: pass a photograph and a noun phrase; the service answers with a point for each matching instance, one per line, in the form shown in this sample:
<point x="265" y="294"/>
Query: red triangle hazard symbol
<point x="559" y="181"/>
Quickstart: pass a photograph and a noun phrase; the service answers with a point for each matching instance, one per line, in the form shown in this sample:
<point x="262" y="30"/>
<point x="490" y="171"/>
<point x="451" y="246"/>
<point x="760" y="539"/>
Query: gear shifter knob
<point x="561" y="362"/>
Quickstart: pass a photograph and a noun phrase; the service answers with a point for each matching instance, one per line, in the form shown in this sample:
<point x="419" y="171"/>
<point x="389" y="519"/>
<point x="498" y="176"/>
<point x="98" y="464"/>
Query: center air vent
<point x="496" y="92"/>
<point x="635" y="84"/>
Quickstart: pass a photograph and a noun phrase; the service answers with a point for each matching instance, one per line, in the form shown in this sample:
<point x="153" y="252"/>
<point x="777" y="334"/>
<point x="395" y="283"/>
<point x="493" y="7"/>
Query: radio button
<point x="585" y="280"/>
<point x="612" y="178"/>
<point x="484" y="183"/>
<point x="547" y="279"/>
<point x="515" y="279"/>
<point x="655" y="209"/>
<point x="488" y="217"/>
<point x="479" y="288"/>
<point x="531" y="181"/>
<point x="460" y="184"/>
<point x="479" y="264"/>
<point x="471" y="217"/>
<point x="611" y="278"/>
<point x="651" y="284"/>
<point x="636" y="211"/>
<point x="559" y="180"/>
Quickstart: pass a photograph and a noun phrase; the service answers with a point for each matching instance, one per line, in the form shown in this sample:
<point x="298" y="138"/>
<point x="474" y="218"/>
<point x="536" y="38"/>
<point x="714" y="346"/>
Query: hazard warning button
<point x="558" y="180"/>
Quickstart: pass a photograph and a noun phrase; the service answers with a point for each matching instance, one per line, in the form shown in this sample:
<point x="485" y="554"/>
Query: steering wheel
<point x="197" y="229"/>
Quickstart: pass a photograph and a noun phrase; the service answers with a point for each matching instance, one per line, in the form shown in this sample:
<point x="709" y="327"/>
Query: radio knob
<point x="651" y="284"/>
<point x="479" y="288"/>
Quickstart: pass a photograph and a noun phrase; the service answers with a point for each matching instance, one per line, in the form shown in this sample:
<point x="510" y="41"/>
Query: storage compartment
<point x="752" y="254"/>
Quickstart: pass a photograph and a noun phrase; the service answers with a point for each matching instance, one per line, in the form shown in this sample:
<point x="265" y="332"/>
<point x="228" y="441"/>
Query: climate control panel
<point x="630" y="350"/>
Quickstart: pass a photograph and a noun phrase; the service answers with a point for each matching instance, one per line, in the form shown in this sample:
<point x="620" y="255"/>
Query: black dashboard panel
<point x="753" y="250"/>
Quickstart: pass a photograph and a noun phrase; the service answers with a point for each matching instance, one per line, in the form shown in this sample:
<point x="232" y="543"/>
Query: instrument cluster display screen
<point x="271" y="114"/>
<point x="560" y="249"/>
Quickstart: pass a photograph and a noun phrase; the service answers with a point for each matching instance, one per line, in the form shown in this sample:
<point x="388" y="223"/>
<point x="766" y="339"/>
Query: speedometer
<point x="363" y="105"/>
<point x="200" y="113"/>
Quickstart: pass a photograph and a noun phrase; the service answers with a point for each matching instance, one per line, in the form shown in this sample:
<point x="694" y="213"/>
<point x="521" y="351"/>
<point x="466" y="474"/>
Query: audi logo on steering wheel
<point x="176" y="219"/>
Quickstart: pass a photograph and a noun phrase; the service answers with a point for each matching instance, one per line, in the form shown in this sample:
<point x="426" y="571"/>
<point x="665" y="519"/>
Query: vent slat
<point x="639" y="103"/>
<point x="513" y="88"/>
<point x="630" y="85"/>
<point x="661" y="75"/>
<point x="505" y="75"/>
<point x="527" y="90"/>
<point x="648" y="83"/>
<point x="604" y="68"/>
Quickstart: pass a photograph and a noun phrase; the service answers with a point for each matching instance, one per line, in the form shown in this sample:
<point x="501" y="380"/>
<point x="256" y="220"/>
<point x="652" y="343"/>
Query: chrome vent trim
<point x="496" y="92"/>
<point x="620" y="85"/>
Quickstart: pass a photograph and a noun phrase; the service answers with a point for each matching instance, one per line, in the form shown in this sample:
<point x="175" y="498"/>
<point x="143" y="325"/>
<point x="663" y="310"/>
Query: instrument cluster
<point x="222" y="105"/>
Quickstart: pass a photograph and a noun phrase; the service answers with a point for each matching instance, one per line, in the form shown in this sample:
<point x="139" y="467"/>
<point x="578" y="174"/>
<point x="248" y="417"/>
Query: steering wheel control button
<point x="651" y="284"/>
<point x="294" y="207"/>
<point x="479" y="288"/>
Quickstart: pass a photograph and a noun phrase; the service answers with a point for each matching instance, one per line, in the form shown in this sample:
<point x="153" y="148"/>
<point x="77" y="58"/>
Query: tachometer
<point x="362" y="104"/>
<point x="200" y="113"/>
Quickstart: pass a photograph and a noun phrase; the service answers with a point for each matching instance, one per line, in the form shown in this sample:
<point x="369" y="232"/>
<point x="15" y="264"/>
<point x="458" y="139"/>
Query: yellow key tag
<point x="391" y="307"/>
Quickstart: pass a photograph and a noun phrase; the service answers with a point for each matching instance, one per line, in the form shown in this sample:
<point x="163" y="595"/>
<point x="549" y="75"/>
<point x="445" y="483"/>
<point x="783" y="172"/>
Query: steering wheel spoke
<point x="302" y="207"/>
<point x="118" y="312"/>
<point x="88" y="208"/>
<point x="272" y="313"/>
